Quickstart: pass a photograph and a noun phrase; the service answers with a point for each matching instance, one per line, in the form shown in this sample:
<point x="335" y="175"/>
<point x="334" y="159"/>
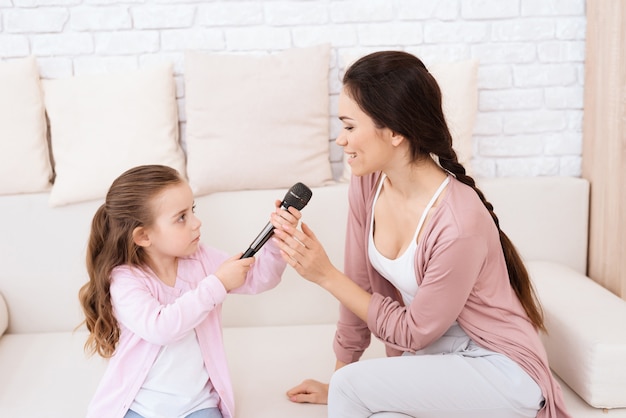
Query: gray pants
<point x="450" y="385"/>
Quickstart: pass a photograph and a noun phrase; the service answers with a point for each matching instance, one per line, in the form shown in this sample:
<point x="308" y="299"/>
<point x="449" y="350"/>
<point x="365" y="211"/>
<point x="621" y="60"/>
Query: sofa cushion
<point x="24" y="158"/>
<point x="47" y="375"/>
<point x="4" y="315"/>
<point x="459" y="90"/>
<point x="586" y="340"/>
<point x="102" y="125"/>
<point x="257" y="122"/>
<point x="458" y="82"/>
<point x="578" y="408"/>
<point x="267" y="361"/>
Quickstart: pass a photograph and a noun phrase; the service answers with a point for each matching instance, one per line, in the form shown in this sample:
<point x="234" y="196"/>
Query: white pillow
<point x="459" y="89"/>
<point x="257" y="122"/>
<point x="102" y="125"/>
<point x="24" y="157"/>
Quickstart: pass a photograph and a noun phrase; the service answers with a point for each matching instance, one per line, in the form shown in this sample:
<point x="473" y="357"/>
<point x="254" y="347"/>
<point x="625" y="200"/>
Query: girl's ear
<point x="140" y="237"/>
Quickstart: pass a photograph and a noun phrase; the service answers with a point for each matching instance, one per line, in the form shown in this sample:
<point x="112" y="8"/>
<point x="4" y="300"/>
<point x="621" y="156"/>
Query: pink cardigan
<point x="462" y="276"/>
<point x="152" y="314"/>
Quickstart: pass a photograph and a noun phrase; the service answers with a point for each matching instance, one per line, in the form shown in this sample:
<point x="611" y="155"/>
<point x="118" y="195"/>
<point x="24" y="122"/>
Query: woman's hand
<point x="303" y="251"/>
<point x="283" y="216"/>
<point x="309" y="391"/>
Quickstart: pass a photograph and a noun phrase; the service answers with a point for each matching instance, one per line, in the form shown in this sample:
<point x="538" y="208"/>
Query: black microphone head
<point x="298" y="196"/>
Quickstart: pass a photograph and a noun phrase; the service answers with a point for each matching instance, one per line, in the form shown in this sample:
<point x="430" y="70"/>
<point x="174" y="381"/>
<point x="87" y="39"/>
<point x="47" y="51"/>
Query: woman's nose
<point x="341" y="140"/>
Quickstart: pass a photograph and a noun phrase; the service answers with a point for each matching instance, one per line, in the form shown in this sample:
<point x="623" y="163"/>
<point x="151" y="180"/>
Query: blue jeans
<point x="203" y="413"/>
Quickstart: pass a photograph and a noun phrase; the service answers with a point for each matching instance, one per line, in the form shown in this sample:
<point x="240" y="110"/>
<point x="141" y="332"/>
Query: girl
<point x="427" y="269"/>
<point x="153" y="300"/>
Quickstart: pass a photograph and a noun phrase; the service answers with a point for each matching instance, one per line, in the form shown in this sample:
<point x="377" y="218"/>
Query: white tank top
<point x="400" y="271"/>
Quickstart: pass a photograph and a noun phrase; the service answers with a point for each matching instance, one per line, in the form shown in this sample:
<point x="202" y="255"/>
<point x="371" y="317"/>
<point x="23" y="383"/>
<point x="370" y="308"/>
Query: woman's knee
<point x="343" y="379"/>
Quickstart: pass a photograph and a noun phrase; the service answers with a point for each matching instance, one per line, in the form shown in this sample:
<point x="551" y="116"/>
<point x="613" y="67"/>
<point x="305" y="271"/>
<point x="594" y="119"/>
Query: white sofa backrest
<point x="546" y="217"/>
<point x="42" y="249"/>
<point x="231" y="221"/>
<point x="42" y="265"/>
<point x="42" y="252"/>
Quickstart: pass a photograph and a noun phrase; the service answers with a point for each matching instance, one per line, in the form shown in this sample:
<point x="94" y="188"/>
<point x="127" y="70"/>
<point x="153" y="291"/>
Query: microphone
<point x="298" y="196"/>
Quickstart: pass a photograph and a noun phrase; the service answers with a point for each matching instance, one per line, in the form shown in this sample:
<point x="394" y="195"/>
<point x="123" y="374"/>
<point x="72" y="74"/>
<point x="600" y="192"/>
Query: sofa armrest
<point x="586" y="339"/>
<point x="4" y="315"/>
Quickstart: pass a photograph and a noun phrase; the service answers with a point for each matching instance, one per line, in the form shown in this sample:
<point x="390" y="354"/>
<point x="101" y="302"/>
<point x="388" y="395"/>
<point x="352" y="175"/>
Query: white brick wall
<point x="531" y="54"/>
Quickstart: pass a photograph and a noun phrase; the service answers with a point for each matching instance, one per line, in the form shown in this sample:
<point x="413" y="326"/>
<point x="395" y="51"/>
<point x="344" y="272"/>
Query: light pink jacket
<point x="152" y="314"/>
<point x="462" y="276"/>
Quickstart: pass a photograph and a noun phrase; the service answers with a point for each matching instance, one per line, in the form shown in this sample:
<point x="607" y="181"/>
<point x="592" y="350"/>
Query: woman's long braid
<point x="518" y="275"/>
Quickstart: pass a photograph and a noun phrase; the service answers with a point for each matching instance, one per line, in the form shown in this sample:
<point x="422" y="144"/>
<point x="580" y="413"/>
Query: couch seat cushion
<point x="578" y="408"/>
<point x="47" y="375"/>
<point x="267" y="361"/>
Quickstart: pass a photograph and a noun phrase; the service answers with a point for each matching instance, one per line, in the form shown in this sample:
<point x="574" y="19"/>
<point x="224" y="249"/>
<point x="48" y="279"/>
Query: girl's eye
<point x="193" y="209"/>
<point x="182" y="218"/>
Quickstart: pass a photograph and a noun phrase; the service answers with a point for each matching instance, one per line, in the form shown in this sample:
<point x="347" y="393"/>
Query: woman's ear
<point x="396" y="138"/>
<point x="140" y="237"/>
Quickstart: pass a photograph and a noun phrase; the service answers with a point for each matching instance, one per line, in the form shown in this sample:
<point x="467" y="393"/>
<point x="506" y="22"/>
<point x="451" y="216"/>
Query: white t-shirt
<point x="178" y="382"/>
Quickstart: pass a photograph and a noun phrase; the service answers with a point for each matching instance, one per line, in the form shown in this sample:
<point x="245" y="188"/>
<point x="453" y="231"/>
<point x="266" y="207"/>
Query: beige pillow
<point x="257" y="122"/>
<point x="24" y="158"/>
<point x="458" y="82"/>
<point x="459" y="90"/>
<point x="102" y="125"/>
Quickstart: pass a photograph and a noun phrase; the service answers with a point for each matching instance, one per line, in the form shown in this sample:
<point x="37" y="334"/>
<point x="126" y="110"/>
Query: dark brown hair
<point x="128" y="205"/>
<point x="396" y="90"/>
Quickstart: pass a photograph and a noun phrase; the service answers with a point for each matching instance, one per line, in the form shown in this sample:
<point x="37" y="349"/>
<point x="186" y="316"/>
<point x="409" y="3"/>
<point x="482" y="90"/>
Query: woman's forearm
<point x="348" y="293"/>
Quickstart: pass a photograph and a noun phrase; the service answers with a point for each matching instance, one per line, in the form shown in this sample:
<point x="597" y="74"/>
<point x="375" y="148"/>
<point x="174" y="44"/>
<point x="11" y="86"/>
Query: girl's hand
<point x="232" y="273"/>
<point x="309" y="391"/>
<point x="303" y="251"/>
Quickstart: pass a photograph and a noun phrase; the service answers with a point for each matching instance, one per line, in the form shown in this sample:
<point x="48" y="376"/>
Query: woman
<point x="427" y="269"/>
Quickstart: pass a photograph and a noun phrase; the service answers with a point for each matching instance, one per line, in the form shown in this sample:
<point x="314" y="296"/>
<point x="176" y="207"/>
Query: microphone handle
<point x="249" y="253"/>
<point x="262" y="238"/>
<point x="258" y="242"/>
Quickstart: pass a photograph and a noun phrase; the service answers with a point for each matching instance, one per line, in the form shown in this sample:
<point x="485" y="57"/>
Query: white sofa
<point x="95" y="127"/>
<point x="276" y="339"/>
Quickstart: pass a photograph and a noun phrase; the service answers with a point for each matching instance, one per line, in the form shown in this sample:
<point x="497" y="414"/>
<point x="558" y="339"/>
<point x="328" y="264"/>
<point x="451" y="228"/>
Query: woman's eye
<point x="347" y="128"/>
